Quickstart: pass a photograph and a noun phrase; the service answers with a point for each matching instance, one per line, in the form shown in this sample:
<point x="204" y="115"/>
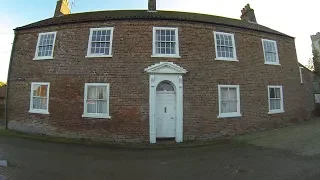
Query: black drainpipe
<point x="7" y="90"/>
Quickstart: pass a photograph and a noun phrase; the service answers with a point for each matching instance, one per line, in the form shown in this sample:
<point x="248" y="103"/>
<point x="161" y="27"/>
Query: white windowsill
<point x="43" y="58"/>
<point x="97" y="56"/>
<point x="96" y="116"/>
<point x="166" y="56"/>
<point x="225" y="59"/>
<point x="275" y="112"/>
<point x="38" y="111"/>
<point x="229" y="115"/>
<point x="277" y="64"/>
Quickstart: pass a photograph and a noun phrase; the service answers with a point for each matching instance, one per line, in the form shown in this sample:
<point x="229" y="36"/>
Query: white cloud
<point x="6" y="38"/>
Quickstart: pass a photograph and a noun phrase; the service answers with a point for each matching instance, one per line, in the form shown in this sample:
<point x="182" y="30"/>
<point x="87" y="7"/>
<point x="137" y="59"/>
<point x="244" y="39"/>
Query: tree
<point x="316" y="59"/>
<point x="310" y="64"/>
<point x="2" y="84"/>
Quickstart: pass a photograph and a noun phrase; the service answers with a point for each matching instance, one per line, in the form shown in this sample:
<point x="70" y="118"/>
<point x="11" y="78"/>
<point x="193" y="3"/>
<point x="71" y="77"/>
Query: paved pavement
<point x="301" y="139"/>
<point x="38" y="160"/>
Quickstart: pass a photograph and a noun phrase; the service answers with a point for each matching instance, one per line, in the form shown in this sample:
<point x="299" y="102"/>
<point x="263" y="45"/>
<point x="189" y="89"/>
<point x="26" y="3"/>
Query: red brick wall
<point x="129" y="84"/>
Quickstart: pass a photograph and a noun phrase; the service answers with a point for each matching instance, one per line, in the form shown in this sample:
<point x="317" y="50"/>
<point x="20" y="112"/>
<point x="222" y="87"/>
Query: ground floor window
<point x="275" y="96"/>
<point x="96" y="100"/>
<point x="229" y="100"/>
<point x="39" y="97"/>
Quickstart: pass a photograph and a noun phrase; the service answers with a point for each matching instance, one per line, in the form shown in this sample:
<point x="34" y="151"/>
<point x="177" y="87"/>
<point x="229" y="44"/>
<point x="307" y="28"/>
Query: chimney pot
<point x="152" y="5"/>
<point x="247" y="14"/>
<point x="62" y="8"/>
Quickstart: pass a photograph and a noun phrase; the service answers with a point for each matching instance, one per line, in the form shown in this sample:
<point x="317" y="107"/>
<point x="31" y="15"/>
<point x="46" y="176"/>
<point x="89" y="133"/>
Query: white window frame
<point x="233" y="114"/>
<point x="36" y="57"/>
<point x="96" y="115"/>
<point x="277" y="54"/>
<point x="281" y="110"/>
<point x="154" y="54"/>
<point x="39" y="111"/>
<point x="89" y="55"/>
<point x="301" y="76"/>
<point x="234" y="47"/>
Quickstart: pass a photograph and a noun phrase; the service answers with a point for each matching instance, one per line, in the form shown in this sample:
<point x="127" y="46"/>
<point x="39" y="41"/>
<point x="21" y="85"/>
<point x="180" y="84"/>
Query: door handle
<point x="165" y="109"/>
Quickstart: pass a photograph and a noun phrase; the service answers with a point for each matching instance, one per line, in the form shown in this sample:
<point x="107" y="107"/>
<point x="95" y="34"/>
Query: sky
<point x="299" y="19"/>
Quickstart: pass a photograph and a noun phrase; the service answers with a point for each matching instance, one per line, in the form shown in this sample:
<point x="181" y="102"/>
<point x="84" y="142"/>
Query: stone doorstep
<point x="3" y="163"/>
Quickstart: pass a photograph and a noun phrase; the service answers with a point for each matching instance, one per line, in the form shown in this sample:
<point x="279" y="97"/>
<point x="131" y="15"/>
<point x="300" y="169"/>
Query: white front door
<point x="165" y="114"/>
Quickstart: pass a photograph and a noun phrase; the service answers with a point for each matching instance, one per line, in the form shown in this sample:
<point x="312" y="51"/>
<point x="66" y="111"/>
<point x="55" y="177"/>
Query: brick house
<point x="2" y="101"/>
<point x="142" y="75"/>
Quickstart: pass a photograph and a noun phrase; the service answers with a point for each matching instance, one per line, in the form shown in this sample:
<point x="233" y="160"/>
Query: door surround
<point x="165" y="71"/>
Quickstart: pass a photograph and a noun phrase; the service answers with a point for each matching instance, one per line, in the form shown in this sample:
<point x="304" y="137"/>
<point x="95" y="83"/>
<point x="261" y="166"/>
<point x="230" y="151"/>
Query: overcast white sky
<point x="299" y="19"/>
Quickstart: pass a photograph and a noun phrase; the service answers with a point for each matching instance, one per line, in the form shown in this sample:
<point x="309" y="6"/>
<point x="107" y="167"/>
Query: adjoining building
<point x="143" y="75"/>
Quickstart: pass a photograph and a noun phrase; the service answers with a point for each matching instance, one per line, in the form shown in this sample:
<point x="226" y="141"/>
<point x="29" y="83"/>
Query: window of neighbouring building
<point x="96" y="100"/>
<point x="39" y="97"/>
<point x="270" y="52"/>
<point x="225" y="46"/>
<point x="45" y="45"/>
<point x="100" y="42"/>
<point x="229" y="100"/>
<point x="275" y="96"/>
<point x="165" y="42"/>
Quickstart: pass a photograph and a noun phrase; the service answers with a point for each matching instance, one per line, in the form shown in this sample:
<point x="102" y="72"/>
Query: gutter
<point x="7" y="88"/>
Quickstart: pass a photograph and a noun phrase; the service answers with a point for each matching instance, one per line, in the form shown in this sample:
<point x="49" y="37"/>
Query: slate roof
<point x="145" y="15"/>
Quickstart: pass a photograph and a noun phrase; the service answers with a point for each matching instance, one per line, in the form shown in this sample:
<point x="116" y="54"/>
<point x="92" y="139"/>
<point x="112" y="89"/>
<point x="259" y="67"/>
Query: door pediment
<point x="165" y="68"/>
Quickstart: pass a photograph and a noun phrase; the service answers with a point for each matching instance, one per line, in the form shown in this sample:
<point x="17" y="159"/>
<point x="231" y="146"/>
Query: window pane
<point x="272" y="93"/>
<point x="39" y="103"/>
<point x="40" y="90"/>
<point x="165" y="41"/>
<point x="165" y="86"/>
<point x="232" y="106"/>
<point x="91" y="106"/>
<point x="92" y="92"/>
<point x="224" y="106"/>
<point x="277" y="92"/>
<point x="102" y="107"/>
<point x="45" y="45"/>
<point x="224" y="93"/>
<point x="275" y="104"/>
<point x="232" y="93"/>
<point x="102" y="92"/>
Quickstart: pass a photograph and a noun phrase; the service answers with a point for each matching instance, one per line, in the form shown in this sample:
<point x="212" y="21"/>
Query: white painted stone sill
<point x="229" y="115"/>
<point x="98" y="56"/>
<point x="38" y="111"/>
<point x="275" y="64"/>
<point x="43" y="58"/>
<point x="96" y="116"/>
<point x="275" y="112"/>
<point x="226" y="59"/>
<point x="165" y="56"/>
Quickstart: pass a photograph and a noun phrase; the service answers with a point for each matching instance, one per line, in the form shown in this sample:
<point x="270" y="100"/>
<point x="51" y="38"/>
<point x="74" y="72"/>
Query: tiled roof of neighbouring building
<point x="145" y="15"/>
<point x="2" y="92"/>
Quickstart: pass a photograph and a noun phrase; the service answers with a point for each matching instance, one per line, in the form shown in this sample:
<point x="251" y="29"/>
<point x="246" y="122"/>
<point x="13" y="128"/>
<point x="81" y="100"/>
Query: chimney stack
<point x="152" y="5"/>
<point x="247" y="14"/>
<point x="62" y="8"/>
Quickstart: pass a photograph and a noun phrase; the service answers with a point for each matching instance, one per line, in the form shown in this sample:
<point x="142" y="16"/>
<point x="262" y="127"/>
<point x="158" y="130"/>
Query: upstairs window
<point x="45" y="45"/>
<point x="275" y="96"/>
<point x="229" y="100"/>
<point x="165" y="42"/>
<point x="100" y="42"/>
<point x="39" y="97"/>
<point x="225" y="46"/>
<point x="270" y="52"/>
<point x="96" y="100"/>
